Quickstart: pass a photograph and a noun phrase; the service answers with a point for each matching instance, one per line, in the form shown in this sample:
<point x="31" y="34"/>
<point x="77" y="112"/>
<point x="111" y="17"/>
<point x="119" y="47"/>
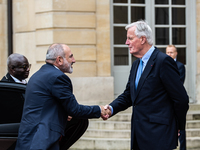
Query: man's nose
<point x="73" y="60"/>
<point x="127" y="42"/>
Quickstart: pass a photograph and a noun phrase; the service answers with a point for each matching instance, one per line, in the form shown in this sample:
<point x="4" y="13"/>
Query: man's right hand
<point x="105" y="112"/>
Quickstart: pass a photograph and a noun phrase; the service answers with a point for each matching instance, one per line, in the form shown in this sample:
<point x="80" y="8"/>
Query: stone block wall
<point x="198" y="51"/>
<point x="83" y="25"/>
<point x="3" y="38"/>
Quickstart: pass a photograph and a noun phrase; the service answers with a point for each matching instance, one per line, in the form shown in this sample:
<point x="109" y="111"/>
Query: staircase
<point x="114" y="134"/>
<point x="193" y="128"/>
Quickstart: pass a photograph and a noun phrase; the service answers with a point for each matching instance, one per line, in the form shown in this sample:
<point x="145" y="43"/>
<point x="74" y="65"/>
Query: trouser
<point x="74" y="130"/>
<point x="182" y="140"/>
<point x="135" y="144"/>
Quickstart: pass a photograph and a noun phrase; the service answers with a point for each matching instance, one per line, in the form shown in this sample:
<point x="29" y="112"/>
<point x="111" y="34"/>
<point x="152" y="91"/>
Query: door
<point x="11" y="107"/>
<point x="123" y="12"/>
<point x="170" y="21"/>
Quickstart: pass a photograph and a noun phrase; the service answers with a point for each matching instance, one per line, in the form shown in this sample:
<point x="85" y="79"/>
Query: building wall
<point x="198" y="51"/>
<point x="85" y="28"/>
<point x="3" y="37"/>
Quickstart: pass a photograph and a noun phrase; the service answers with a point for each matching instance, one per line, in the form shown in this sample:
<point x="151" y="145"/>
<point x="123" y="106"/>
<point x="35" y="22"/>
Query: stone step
<point x="193" y="143"/>
<point x="99" y="133"/>
<point x="193" y="107"/>
<point x="101" y="144"/>
<point x="193" y="115"/>
<point x="193" y="132"/>
<point x="118" y="117"/>
<point x="109" y="125"/>
<point x="121" y="117"/>
<point x="123" y="125"/>
<point x="193" y="124"/>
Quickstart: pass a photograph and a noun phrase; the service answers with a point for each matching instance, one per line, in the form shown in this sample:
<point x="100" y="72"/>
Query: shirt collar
<point x="18" y="81"/>
<point x="146" y="57"/>
<point x="56" y="67"/>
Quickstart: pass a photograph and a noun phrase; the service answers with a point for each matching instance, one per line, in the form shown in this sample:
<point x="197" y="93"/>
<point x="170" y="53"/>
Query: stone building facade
<point x="86" y="27"/>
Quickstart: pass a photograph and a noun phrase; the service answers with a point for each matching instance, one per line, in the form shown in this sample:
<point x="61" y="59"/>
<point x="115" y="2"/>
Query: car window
<point x="11" y="102"/>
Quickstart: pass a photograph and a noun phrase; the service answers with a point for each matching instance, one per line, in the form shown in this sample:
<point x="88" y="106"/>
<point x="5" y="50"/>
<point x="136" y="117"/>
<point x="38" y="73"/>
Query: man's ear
<point x="143" y="39"/>
<point x="11" y="70"/>
<point x="59" y="60"/>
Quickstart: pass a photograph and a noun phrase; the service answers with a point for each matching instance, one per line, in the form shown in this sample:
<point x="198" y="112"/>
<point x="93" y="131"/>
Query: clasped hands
<point x="105" y="112"/>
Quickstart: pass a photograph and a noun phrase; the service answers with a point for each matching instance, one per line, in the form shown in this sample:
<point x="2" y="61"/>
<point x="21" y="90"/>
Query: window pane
<point x="138" y="1"/>
<point x="11" y="113"/>
<point x="178" y="36"/>
<point x="120" y="1"/>
<point x="133" y="58"/>
<point x="161" y="1"/>
<point x="120" y="56"/>
<point x="178" y="16"/>
<point x="119" y="35"/>
<point x="181" y="55"/>
<point x="178" y="2"/>
<point x="137" y="13"/>
<point x="120" y="14"/>
<point x="162" y="36"/>
<point x="162" y="50"/>
<point x="162" y="16"/>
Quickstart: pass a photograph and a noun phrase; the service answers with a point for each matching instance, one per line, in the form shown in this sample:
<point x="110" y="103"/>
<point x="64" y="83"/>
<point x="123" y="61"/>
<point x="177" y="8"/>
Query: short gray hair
<point x="54" y="51"/>
<point x="13" y="58"/>
<point x="142" y="29"/>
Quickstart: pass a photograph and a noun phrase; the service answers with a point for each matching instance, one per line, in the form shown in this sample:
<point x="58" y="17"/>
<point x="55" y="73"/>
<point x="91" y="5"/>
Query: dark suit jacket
<point x="49" y="100"/>
<point x="181" y="69"/>
<point x="7" y="78"/>
<point x="160" y="103"/>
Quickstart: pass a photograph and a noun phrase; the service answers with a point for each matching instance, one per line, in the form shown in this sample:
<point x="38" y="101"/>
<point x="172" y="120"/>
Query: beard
<point x="70" y="69"/>
<point x="67" y="67"/>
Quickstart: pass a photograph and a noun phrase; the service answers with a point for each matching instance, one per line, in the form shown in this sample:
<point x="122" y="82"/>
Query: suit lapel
<point x="146" y="71"/>
<point x="9" y="78"/>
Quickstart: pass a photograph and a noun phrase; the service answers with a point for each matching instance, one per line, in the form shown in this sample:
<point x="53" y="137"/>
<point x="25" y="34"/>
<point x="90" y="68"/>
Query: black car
<point x="11" y="107"/>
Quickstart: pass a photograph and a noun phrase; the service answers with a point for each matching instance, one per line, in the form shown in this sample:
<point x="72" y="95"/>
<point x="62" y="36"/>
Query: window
<point x="11" y="107"/>
<point x="124" y="12"/>
<point x="172" y="22"/>
<point x="170" y="26"/>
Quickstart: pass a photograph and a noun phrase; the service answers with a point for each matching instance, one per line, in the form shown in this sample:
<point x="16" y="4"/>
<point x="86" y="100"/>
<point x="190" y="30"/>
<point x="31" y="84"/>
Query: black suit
<point x="181" y="69"/>
<point x="7" y="78"/>
<point x="182" y="137"/>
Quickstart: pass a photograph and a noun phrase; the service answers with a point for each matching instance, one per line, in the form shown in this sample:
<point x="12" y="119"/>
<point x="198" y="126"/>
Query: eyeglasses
<point x="25" y="67"/>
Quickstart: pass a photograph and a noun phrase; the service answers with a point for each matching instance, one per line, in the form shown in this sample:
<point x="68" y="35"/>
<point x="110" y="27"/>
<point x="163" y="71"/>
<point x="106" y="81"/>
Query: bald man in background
<point x="18" y="69"/>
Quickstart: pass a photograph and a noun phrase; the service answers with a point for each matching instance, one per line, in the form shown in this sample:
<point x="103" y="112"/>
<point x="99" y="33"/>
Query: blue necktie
<point x="139" y="73"/>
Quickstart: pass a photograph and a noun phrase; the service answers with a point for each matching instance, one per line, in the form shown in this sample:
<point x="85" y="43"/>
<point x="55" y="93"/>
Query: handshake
<point x="105" y="112"/>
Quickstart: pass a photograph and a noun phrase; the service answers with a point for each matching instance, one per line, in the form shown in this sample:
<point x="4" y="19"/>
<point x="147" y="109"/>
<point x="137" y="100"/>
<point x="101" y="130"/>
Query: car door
<point x="11" y="107"/>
